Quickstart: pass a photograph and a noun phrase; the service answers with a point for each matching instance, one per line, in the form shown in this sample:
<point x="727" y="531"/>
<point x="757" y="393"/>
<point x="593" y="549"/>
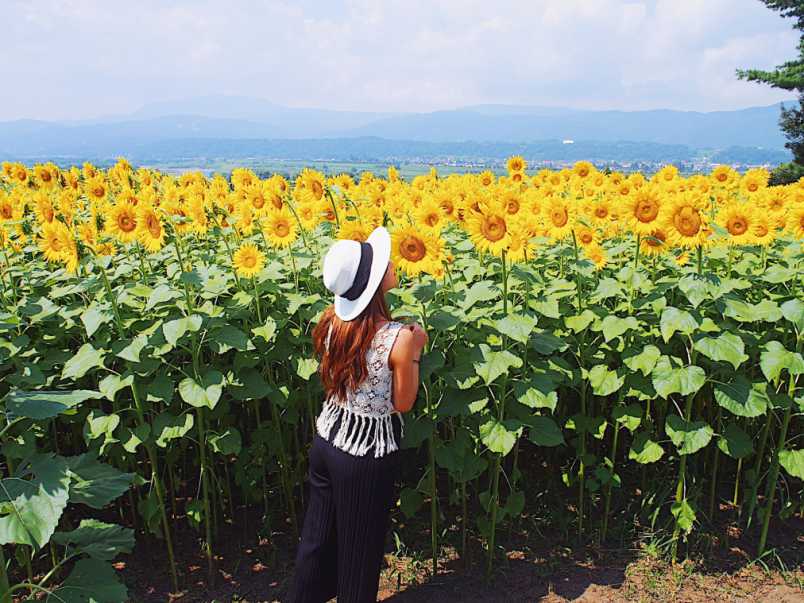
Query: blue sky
<point x="78" y="59"/>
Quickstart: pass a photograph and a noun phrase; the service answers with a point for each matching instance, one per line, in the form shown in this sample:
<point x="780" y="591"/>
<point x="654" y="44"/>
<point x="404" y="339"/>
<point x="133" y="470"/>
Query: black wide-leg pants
<point x="343" y="538"/>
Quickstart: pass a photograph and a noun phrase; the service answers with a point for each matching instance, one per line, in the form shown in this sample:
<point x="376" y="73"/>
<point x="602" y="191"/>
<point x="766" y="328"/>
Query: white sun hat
<point x="353" y="271"/>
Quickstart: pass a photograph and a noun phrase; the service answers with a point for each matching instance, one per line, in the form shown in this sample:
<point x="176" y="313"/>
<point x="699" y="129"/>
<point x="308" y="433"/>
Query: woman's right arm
<point x="404" y="363"/>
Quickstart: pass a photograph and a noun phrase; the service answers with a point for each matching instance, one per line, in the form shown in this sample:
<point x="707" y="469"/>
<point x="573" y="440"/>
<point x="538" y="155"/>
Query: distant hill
<point x="216" y="123"/>
<point x="757" y="126"/>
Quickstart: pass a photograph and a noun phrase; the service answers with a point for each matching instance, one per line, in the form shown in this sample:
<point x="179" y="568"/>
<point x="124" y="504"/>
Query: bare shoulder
<point x="403" y="346"/>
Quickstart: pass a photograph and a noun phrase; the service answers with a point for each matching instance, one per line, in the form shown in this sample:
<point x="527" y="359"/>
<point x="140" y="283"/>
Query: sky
<point x="81" y="59"/>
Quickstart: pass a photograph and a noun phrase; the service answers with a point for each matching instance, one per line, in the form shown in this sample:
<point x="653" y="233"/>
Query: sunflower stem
<point x="774" y="470"/>
<point x="298" y="221"/>
<point x="257" y="299"/>
<point x="334" y="209"/>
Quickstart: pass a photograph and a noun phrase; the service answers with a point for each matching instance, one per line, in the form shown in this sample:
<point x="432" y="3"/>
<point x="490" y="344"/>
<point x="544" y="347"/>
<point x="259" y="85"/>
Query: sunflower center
<point x="586" y="237"/>
<point x="6" y="212"/>
<point x="258" y="201"/>
<point x="583" y="172"/>
<point x="721" y="177"/>
<point x="752" y="186"/>
<point x="249" y="261"/>
<point x="558" y="216"/>
<point x="431" y="220"/>
<point x="761" y="230"/>
<point x="601" y="212"/>
<point x="493" y="228"/>
<point x="154" y="227"/>
<point x="517" y="177"/>
<point x="48" y="214"/>
<point x="412" y="249"/>
<point x="276" y="200"/>
<point x="656" y="239"/>
<point x="126" y="223"/>
<point x="647" y="210"/>
<point x="737" y="225"/>
<point x="448" y="207"/>
<point x="318" y="189"/>
<point x="282" y="228"/>
<point x="99" y="191"/>
<point x="46" y="176"/>
<point x="512" y="206"/>
<point x="687" y="221"/>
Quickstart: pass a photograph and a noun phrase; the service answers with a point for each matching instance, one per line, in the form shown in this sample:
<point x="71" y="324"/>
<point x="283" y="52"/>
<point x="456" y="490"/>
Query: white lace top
<point x="366" y="413"/>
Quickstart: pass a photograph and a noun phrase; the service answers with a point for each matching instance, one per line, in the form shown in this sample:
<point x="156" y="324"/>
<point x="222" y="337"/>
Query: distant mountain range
<point x="209" y="124"/>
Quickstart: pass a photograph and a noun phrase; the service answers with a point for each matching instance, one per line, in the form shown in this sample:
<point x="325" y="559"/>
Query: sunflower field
<point x="635" y="339"/>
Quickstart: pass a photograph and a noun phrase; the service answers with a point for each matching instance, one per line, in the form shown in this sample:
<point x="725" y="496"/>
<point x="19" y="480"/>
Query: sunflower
<point x="445" y="199"/>
<point x="654" y="243"/>
<point x="58" y="245"/>
<point x="738" y="220"/>
<point x="416" y="250"/>
<point x="558" y="218"/>
<point x="309" y="215"/>
<point x="197" y="212"/>
<point x="668" y="174"/>
<point x="344" y="182"/>
<point x="21" y="174"/>
<point x="313" y="181"/>
<point x="150" y="231"/>
<point x="122" y="223"/>
<point x="486" y="178"/>
<point x="685" y="221"/>
<point x="248" y="260"/>
<point x="682" y="259"/>
<point x="490" y="231"/>
<point x="43" y="207"/>
<point x="353" y="230"/>
<point x="776" y="199"/>
<point x="511" y="200"/>
<point x="723" y="175"/>
<point x="51" y="241"/>
<point x="582" y="169"/>
<point x="516" y="164"/>
<point x="763" y="230"/>
<point x="430" y="214"/>
<point x="280" y="228"/>
<point x="600" y="211"/>
<point x="242" y="178"/>
<point x="257" y="196"/>
<point x="597" y="255"/>
<point x="585" y="236"/>
<point x="642" y="211"/>
<point x="519" y="249"/>
<point x="754" y="181"/>
<point x="88" y="233"/>
<point x="795" y="221"/>
<point x="46" y="176"/>
<point x="96" y="189"/>
<point x="9" y="211"/>
<point x="107" y="248"/>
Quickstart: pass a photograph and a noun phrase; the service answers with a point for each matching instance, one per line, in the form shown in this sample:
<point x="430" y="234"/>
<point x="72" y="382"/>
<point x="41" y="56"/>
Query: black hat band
<point x="362" y="274"/>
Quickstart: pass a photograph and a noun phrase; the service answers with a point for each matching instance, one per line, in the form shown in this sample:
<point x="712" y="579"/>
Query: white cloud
<point x="82" y="58"/>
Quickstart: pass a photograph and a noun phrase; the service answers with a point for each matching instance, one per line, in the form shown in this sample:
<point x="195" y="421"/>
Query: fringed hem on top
<point x="357" y="432"/>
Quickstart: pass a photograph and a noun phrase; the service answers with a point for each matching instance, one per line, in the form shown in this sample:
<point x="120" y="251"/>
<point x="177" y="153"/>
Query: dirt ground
<point x="534" y="569"/>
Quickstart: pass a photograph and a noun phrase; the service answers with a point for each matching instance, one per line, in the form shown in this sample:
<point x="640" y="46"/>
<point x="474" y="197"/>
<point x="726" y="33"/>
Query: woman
<point x="369" y="367"/>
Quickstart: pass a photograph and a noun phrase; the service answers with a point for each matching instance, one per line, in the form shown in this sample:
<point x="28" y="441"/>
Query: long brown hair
<point x="342" y="364"/>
